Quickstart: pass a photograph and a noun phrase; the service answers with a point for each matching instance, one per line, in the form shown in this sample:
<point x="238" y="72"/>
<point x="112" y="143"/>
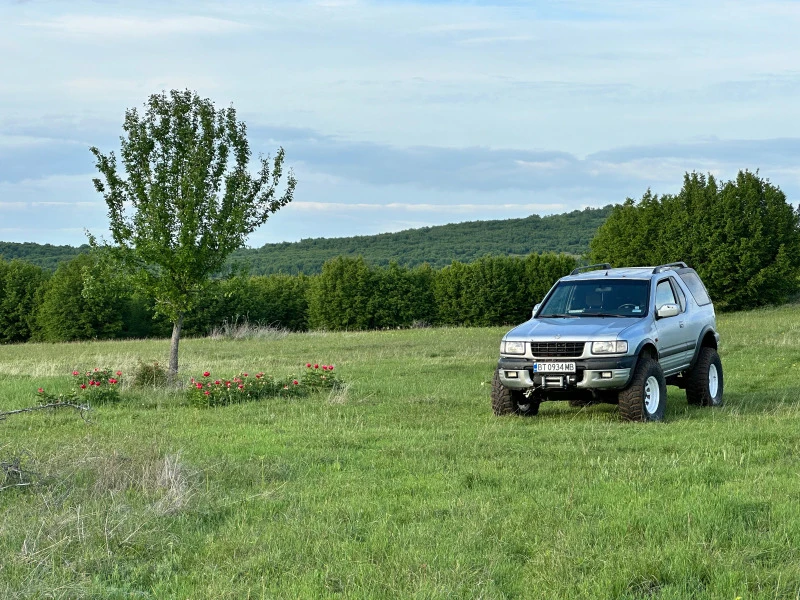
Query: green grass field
<point x="404" y="485"/>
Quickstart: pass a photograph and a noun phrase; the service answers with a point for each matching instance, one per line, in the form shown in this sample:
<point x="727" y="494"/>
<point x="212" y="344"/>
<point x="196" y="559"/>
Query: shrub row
<point x="86" y="299"/>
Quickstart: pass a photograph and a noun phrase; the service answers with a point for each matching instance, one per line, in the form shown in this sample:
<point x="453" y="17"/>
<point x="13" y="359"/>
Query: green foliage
<point x="208" y="390"/>
<point x="439" y="246"/>
<point x="149" y="374"/>
<point x="46" y="256"/>
<point x="98" y="386"/>
<point x="186" y="200"/>
<point x="339" y="297"/>
<point x="21" y="284"/>
<point x="85" y="299"/>
<point x="568" y="233"/>
<point x="742" y="237"/>
<point x="496" y="290"/>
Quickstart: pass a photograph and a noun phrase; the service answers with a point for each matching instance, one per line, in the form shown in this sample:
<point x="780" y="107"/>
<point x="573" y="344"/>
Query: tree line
<point x="568" y="233"/>
<point x="742" y="237"/>
<point x="86" y="298"/>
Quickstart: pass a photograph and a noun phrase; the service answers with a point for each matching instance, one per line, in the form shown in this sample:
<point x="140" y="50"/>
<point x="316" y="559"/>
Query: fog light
<point x="512" y="374"/>
<point x="605" y="375"/>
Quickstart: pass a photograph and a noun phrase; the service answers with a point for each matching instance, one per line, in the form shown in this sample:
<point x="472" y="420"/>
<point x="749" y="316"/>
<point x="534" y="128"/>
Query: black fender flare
<point x="638" y="353"/>
<point x="706" y="330"/>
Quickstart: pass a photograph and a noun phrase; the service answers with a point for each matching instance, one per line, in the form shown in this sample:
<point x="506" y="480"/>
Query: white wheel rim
<point x="652" y="395"/>
<point x="713" y="381"/>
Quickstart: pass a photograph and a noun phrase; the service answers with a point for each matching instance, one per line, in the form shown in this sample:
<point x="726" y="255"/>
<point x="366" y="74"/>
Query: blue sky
<point x="397" y="114"/>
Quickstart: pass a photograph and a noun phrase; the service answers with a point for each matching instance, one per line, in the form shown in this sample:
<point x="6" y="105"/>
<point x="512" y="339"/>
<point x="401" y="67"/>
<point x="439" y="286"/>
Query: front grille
<point x="557" y="349"/>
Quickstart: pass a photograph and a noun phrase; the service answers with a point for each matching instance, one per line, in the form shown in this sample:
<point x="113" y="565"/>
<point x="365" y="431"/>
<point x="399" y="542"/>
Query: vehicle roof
<point x="618" y="273"/>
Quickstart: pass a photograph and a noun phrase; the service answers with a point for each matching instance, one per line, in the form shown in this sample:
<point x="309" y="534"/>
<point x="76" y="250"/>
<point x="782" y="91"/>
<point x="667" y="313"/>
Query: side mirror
<point x="668" y="310"/>
<point x="535" y="308"/>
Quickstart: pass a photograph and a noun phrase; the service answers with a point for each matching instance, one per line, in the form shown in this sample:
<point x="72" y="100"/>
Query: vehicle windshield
<point x="597" y="298"/>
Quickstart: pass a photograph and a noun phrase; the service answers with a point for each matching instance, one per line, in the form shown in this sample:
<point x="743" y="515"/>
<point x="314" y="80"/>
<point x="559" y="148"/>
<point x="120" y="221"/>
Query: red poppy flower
<point x="217" y="382"/>
<point x="41" y="390"/>
<point x="206" y="373"/>
<point x="83" y="386"/>
<point x="207" y="393"/>
<point x="119" y="373"/>
<point x="295" y="382"/>
<point x="241" y="387"/>
<point x="199" y="386"/>
<point x="308" y="365"/>
<point x="316" y="366"/>
<point x="75" y="373"/>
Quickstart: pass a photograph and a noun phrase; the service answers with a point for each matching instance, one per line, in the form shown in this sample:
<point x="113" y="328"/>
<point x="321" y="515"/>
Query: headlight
<point x="512" y="348"/>
<point x="609" y="347"/>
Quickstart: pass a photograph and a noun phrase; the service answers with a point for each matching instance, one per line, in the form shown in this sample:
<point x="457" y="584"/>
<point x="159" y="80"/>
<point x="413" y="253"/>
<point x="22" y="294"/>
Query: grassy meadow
<point x="403" y="485"/>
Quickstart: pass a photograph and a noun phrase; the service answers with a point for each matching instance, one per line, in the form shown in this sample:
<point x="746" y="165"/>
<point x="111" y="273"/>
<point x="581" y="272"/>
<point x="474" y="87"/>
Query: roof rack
<point x="598" y="266"/>
<point x="667" y="267"/>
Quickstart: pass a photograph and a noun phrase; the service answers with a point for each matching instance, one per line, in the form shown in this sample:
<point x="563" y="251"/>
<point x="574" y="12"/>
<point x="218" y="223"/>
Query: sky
<point x="396" y="114"/>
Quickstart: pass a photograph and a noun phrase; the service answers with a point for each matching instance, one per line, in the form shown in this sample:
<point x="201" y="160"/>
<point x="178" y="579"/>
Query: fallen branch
<point x="13" y="475"/>
<point x="82" y="408"/>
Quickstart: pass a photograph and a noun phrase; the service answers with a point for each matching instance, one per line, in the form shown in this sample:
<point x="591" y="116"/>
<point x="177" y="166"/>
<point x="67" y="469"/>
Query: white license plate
<point x="554" y="367"/>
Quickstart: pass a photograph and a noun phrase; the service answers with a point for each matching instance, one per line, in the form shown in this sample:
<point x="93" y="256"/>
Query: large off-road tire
<point x="510" y="402"/>
<point x="705" y="382"/>
<point x="646" y="397"/>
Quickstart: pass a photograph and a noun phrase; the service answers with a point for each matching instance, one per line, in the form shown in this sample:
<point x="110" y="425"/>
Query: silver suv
<point x="614" y="335"/>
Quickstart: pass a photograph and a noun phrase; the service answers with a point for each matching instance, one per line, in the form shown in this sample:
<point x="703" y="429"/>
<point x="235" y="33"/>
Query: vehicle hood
<point x="577" y="329"/>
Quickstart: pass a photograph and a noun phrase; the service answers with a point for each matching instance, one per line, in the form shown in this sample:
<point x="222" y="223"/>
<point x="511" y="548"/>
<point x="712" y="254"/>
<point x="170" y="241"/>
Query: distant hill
<point x="438" y="246"/>
<point x="46" y="256"/>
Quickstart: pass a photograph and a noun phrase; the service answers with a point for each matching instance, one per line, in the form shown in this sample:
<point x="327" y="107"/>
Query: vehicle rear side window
<point x="692" y="281"/>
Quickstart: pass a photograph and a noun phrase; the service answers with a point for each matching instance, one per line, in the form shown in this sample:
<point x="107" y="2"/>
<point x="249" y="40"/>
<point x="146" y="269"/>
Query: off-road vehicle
<point x="614" y="335"/>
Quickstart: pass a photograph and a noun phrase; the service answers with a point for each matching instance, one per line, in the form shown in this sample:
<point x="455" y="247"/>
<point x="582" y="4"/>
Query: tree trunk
<point x="173" y="349"/>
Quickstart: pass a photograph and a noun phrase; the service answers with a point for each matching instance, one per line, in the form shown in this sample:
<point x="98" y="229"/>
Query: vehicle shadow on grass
<point x="736" y="403"/>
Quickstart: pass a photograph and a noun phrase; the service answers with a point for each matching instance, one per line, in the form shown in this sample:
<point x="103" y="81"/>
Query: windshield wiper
<point x="600" y="314"/>
<point x="557" y="316"/>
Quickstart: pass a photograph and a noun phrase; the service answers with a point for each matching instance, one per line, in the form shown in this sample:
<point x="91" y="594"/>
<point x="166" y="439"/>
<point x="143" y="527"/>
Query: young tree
<point x="186" y="199"/>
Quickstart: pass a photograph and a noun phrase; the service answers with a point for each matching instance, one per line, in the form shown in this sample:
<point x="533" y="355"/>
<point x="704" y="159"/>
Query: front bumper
<point x="517" y="374"/>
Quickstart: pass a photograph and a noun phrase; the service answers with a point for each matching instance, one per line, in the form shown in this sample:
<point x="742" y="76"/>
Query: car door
<point x="672" y="338"/>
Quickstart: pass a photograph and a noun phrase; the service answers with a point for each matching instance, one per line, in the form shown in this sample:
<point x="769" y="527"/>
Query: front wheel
<point x="511" y="402"/>
<point x="705" y="382"/>
<point x="645" y="399"/>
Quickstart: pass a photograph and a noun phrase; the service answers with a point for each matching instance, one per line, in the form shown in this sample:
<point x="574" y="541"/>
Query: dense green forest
<point x="568" y="233"/>
<point x="45" y="256"/>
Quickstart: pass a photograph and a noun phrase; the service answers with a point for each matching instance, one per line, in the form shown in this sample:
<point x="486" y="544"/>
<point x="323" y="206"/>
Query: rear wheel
<point x="705" y="381"/>
<point x="511" y="402"/>
<point x="645" y="399"/>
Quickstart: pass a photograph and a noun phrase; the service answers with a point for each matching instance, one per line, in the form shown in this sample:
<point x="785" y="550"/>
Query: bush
<point x="100" y="386"/>
<point x="207" y="390"/>
<point x="149" y="375"/>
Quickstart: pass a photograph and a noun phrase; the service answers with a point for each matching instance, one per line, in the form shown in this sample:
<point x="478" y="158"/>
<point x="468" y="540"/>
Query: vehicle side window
<point x="664" y="294"/>
<point x="679" y="293"/>
<point x="692" y="281"/>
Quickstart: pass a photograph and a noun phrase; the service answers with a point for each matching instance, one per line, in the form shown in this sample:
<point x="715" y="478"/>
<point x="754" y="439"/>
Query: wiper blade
<point x="600" y="314"/>
<point x="557" y="316"/>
